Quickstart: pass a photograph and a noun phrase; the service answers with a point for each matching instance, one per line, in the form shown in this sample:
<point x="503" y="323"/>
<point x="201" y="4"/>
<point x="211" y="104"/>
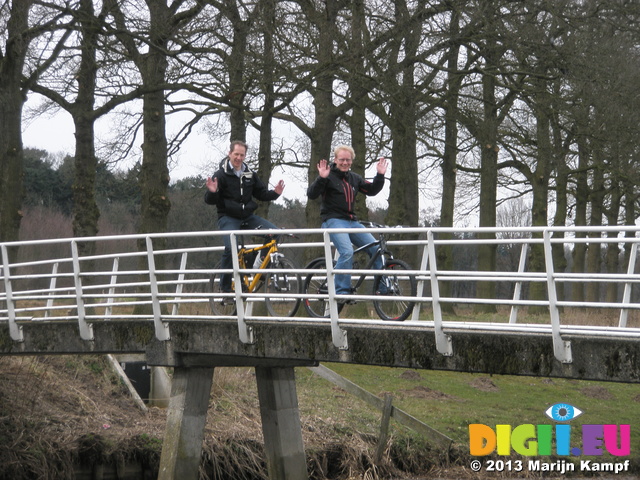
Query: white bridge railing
<point x="166" y="277"/>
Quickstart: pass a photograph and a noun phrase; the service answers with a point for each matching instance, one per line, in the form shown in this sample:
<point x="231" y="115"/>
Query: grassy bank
<point x="59" y="412"/>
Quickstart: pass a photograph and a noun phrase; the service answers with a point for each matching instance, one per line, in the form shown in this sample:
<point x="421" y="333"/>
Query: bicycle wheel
<point x="287" y="282"/>
<point x="316" y="284"/>
<point x="394" y="283"/>
<point x="220" y="305"/>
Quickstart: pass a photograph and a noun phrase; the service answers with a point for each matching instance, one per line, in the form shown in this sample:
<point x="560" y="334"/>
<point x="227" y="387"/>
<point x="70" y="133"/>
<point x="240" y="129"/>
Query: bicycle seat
<point x="245" y="226"/>
<point x="377" y="225"/>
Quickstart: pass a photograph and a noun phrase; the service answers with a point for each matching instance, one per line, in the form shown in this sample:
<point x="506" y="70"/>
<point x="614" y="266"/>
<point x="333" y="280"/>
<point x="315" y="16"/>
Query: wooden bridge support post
<point x="281" y="423"/>
<point x="186" y="419"/>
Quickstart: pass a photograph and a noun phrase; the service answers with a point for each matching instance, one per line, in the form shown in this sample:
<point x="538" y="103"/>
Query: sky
<point x="55" y="134"/>
<point x="198" y="156"/>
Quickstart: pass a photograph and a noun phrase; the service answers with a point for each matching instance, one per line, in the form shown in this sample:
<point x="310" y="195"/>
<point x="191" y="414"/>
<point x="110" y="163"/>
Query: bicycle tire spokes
<point x="316" y="284"/>
<point x="286" y="282"/>
<point x="394" y="283"/>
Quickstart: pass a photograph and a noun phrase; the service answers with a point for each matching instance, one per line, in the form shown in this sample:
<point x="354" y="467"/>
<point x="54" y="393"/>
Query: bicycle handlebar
<point x="378" y="225"/>
<point x="270" y="236"/>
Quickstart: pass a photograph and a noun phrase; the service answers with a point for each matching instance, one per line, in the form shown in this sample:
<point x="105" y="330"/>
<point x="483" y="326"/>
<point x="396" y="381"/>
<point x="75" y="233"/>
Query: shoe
<point x="226" y="301"/>
<point x="344" y="301"/>
<point x="383" y="287"/>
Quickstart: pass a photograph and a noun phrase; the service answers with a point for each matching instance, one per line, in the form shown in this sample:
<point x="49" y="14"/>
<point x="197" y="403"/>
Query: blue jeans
<point x="344" y="244"/>
<point x="226" y="222"/>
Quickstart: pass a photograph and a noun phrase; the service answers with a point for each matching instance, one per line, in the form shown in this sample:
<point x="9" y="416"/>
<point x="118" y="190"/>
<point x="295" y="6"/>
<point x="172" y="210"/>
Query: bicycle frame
<point x="390" y="285"/>
<point x="382" y="251"/>
<point x="272" y="247"/>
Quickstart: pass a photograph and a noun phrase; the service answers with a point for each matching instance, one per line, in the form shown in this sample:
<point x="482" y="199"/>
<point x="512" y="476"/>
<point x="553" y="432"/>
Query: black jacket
<point x="235" y="194"/>
<point x="339" y="191"/>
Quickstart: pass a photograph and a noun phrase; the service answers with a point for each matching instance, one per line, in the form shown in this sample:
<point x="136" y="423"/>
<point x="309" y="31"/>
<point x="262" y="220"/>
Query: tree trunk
<point x="154" y="174"/>
<point x="449" y="157"/>
<point x="630" y="198"/>
<point x="404" y="197"/>
<point x="325" y="112"/>
<point x="357" y="119"/>
<point x="560" y="216"/>
<point x="265" y="165"/>
<point x="540" y="187"/>
<point x="11" y="102"/>
<point x="85" y="207"/>
<point x="237" y="91"/>
<point x="582" y="198"/>
<point x="488" y="183"/>
<point x="594" y="250"/>
<point x="403" y="192"/>
<point x="612" y="249"/>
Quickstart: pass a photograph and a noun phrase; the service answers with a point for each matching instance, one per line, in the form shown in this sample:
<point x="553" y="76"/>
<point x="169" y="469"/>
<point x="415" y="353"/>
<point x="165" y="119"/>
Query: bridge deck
<point x="410" y="345"/>
<point x="105" y="295"/>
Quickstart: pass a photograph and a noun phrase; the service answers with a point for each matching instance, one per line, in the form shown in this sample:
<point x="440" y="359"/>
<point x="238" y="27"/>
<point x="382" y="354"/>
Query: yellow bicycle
<point x="265" y="256"/>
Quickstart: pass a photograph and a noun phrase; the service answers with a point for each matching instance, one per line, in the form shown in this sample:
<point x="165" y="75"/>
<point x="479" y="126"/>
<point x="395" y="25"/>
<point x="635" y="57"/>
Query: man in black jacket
<point x="338" y="186"/>
<point x="232" y="189"/>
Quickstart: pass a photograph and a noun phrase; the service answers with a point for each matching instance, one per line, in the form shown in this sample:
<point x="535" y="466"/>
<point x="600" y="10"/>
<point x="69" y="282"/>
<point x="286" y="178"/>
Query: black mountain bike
<point x="393" y="280"/>
<point x="265" y="256"/>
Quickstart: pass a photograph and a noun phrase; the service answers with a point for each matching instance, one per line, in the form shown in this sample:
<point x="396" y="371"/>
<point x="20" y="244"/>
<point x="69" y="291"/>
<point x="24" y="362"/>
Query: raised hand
<point x="323" y="168"/>
<point x="381" y="166"/>
<point x="279" y="188"/>
<point x="212" y="184"/>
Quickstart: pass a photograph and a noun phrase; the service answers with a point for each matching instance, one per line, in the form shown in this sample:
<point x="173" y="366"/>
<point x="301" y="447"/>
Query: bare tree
<point x="450" y="151"/>
<point x="16" y="75"/>
<point x="492" y="105"/>
<point x="11" y="101"/>
<point x="148" y="48"/>
<point x="80" y="83"/>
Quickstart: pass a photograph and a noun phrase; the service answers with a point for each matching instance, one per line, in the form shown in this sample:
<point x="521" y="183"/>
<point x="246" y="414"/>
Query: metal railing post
<point x="161" y="328"/>
<point x="443" y="341"/>
<point x="424" y="264"/>
<point x="86" y="330"/>
<point x="112" y="287"/>
<point x="183" y="266"/>
<point x="15" y="330"/>
<point x="245" y="331"/>
<point x="626" y="296"/>
<point x="561" y="348"/>
<point x="52" y="286"/>
<point x="338" y="335"/>
<point x="517" y="291"/>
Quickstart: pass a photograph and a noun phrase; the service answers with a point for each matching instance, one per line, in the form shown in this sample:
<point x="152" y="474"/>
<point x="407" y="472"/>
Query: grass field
<point x="55" y="405"/>
<point x="451" y="401"/>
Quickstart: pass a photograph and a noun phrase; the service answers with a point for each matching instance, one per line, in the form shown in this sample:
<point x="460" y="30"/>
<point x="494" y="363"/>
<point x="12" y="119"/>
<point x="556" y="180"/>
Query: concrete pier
<point x="197" y="347"/>
<point x="189" y="404"/>
<point x="186" y="419"/>
<point x="281" y="423"/>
